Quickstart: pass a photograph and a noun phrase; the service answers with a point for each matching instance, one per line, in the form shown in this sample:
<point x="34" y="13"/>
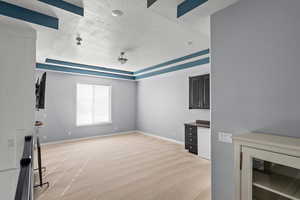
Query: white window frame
<point x="110" y="107"/>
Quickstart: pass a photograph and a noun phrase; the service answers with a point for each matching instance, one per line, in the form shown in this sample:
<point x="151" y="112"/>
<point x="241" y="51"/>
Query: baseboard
<point x="160" y="137"/>
<point x="112" y="134"/>
<point x="88" y="138"/>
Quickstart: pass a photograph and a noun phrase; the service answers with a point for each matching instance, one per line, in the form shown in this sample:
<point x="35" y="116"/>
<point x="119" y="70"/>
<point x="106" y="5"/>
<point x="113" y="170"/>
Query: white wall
<point x="17" y="61"/>
<point x="60" y="113"/>
<point x="255" y="77"/>
<point x="163" y="103"/>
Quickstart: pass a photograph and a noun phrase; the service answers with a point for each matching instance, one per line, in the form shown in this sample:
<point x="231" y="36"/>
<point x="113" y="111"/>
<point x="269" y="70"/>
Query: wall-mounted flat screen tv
<point x="40" y="89"/>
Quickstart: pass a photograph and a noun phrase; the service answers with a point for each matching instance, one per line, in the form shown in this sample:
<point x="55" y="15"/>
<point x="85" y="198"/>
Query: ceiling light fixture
<point x="121" y="59"/>
<point x="117" y="13"/>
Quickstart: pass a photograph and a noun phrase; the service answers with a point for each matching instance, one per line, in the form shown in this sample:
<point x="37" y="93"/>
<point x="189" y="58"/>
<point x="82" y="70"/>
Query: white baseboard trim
<point x="160" y="137"/>
<point x="88" y="138"/>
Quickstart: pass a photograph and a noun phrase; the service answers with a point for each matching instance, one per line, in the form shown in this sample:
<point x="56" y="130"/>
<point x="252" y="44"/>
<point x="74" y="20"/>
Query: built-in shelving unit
<point x="267" y="167"/>
<point x="281" y="185"/>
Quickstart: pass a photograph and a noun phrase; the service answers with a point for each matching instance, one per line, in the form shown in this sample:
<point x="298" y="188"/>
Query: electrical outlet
<point x="225" y="137"/>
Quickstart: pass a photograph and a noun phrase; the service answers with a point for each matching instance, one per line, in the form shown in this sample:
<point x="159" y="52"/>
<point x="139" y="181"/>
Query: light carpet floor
<point x="123" y="167"/>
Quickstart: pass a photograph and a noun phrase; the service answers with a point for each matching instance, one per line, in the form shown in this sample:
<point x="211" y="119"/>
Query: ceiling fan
<point x="122" y="59"/>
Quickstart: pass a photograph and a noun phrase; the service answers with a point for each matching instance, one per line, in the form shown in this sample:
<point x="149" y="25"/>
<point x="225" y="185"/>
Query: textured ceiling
<point x="148" y="36"/>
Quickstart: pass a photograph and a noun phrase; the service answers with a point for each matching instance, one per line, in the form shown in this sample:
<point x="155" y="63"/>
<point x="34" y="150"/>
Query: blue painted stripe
<point x="81" y="71"/>
<point x="188" y="5"/>
<point x="60" y="62"/>
<point x="199" y="53"/>
<point x="65" y="6"/>
<point x="175" y="68"/>
<point x="25" y="14"/>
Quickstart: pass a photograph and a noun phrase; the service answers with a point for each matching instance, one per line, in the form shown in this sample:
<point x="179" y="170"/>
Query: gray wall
<point x="17" y="60"/>
<point x="255" y="77"/>
<point x="60" y="113"/>
<point x="163" y="103"/>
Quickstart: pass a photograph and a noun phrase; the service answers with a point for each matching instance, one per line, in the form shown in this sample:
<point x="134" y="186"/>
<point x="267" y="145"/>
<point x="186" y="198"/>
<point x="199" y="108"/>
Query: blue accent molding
<point x="115" y="73"/>
<point x="188" y="5"/>
<point x="175" y="68"/>
<point x="25" y="14"/>
<point x="65" y="6"/>
<point x="199" y="53"/>
<point x="89" y="67"/>
<point x="81" y="71"/>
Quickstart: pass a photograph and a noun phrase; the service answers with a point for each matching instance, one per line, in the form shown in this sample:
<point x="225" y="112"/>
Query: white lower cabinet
<point x="267" y="167"/>
<point x="204" y="141"/>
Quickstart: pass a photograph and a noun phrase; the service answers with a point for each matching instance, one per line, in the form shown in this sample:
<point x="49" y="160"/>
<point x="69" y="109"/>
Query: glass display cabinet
<point x="267" y="167"/>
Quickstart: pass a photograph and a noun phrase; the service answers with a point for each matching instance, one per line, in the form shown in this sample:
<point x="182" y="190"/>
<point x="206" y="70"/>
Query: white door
<point x="269" y="176"/>
<point x="204" y="142"/>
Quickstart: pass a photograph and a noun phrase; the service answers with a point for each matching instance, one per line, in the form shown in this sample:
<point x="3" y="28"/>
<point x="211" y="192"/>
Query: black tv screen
<point x="40" y="92"/>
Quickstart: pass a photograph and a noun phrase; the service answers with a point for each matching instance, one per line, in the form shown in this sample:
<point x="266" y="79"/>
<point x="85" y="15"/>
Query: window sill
<point x="98" y="124"/>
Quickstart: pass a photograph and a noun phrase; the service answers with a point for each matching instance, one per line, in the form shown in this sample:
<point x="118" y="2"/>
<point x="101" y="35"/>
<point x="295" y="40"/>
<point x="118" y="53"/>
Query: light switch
<point x="225" y="137"/>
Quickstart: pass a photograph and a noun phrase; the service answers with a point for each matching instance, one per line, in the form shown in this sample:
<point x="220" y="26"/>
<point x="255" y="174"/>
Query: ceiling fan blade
<point x="150" y="2"/>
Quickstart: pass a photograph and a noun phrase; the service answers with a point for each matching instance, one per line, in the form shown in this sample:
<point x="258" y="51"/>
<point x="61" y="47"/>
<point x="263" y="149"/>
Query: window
<point x="93" y="104"/>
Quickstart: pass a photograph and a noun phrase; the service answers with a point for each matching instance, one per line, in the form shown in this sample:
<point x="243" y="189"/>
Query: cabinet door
<point x="206" y="92"/>
<point x="193" y="149"/>
<point x="199" y="92"/>
<point x="190" y="136"/>
<point x="204" y="143"/>
<point x="186" y="137"/>
<point x="269" y="176"/>
<point x="196" y="92"/>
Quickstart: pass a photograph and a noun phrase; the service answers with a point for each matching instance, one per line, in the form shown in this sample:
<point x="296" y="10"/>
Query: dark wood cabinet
<point x="191" y="139"/>
<point x="199" y="93"/>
